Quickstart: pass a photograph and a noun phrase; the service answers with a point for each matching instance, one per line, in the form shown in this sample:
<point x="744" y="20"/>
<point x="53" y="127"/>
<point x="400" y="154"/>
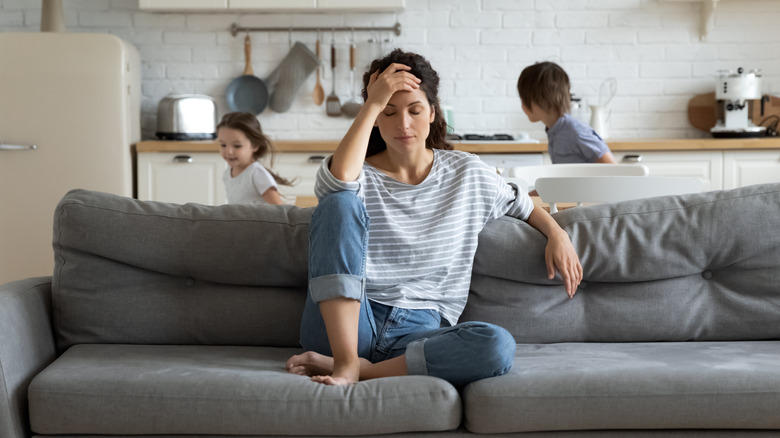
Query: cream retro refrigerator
<point x="69" y="113"/>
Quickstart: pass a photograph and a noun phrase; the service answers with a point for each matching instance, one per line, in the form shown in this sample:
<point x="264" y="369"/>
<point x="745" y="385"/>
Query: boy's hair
<point x="422" y="69"/>
<point x="250" y="126"/>
<point x="546" y="85"/>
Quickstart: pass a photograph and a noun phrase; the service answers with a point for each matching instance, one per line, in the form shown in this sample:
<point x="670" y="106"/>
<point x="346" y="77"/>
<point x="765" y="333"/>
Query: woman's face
<point x="406" y="120"/>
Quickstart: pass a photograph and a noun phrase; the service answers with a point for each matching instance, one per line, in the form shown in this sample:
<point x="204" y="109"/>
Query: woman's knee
<point x="338" y="239"/>
<point x="494" y="345"/>
<point x="467" y="352"/>
<point x="344" y="204"/>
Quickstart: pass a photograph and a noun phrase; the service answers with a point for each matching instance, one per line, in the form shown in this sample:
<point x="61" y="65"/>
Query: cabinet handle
<point x="17" y="147"/>
<point x="316" y="159"/>
<point x="182" y="159"/>
<point x="635" y="158"/>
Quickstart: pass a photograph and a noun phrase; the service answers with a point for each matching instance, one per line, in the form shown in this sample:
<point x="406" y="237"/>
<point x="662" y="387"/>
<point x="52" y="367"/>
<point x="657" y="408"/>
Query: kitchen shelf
<point x="235" y="29"/>
<point x="273" y="5"/>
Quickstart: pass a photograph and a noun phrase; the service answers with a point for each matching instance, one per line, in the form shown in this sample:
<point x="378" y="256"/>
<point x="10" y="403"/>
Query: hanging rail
<point x="235" y="29"/>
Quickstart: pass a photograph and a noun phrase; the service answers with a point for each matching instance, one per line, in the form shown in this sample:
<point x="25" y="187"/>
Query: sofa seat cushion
<point x="223" y="390"/>
<point x="675" y="385"/>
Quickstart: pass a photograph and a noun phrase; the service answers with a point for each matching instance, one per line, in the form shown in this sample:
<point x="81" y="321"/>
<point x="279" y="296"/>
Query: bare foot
<point x="320" y="369"/>
<point x="332" y="381"/>
<point x="310" y="364"/>
<point x="343" y="374"/>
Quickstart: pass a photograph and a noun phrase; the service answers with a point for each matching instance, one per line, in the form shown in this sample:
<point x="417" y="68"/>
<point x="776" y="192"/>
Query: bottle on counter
<point x="579" y="109"/>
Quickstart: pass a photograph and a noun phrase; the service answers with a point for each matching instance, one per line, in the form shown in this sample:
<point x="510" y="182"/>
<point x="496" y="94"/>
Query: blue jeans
<point x="460" y="354"/>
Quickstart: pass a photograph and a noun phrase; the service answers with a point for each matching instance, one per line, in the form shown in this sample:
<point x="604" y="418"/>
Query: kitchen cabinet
<point x="743" y="168"/>
<point x="181" y="177"/>
<point x="384" y="5"/>
<point x="706" y="165"/>
<point x="300" y="166"/>
<point x="172" y="5"/>
<point x="273" y="5"/>
<point x="722" y="163"/>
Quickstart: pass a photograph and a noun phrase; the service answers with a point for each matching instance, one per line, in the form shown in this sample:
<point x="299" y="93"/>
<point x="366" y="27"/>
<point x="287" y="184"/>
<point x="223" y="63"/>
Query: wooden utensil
<point x="701" y="111"/>
<point x="771" y="108"/>
<point x="333" y="105"/>
<point x="319" y="93"/>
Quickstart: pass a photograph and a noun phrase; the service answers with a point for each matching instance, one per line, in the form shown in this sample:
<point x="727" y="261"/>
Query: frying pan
<point x="247" y="93"/>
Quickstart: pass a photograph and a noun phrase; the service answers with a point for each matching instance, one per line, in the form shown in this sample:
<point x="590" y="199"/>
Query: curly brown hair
<point x="429" y="84"/>
<point x="250" y="126"/>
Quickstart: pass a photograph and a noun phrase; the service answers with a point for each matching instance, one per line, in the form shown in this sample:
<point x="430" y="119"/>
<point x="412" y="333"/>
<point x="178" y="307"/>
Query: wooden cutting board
<point x="702" y="112"/>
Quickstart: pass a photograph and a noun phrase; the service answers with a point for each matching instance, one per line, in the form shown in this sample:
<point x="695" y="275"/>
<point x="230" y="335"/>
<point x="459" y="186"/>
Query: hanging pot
<point x="247" y="93"/>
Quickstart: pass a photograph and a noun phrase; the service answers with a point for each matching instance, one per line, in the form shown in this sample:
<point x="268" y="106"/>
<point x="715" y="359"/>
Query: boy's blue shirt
<point x="571" y="141"/>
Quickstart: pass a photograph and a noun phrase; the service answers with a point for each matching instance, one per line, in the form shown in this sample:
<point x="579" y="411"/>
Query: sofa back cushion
<point x="134" y="272"/>
<point x="694" y="267"/>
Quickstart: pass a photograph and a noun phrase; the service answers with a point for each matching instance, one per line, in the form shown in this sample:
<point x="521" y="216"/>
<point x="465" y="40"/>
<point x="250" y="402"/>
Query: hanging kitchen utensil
<point x="289" y="76"/>
<point x="375" y="48"/>
<point x="332" y="104"/>
<point x="352" y="107"/>
<point x="247" y="93"/>
<point x="319" y="93"/>
<point x="52" y="16"/>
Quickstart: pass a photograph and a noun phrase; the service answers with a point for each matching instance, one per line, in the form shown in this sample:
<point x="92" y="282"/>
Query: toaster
<point x="186" y="117"/>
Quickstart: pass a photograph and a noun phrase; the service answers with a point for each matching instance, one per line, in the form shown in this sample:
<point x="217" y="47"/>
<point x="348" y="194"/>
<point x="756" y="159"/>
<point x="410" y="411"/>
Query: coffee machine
<point x="733" y="93"/>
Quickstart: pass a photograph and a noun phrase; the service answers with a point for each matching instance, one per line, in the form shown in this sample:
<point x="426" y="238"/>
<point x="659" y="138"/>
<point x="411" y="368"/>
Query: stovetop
<point x="493" y="137"/>
<point x="490" y="138"/>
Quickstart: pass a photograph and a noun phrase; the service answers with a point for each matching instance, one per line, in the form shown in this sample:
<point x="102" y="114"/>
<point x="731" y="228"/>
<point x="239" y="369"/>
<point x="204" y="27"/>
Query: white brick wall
<point x="479" y="47"/>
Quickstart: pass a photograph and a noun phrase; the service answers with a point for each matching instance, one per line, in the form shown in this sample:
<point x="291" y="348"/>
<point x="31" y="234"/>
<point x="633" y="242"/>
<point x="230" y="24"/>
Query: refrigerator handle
<point x="17" y="147"/>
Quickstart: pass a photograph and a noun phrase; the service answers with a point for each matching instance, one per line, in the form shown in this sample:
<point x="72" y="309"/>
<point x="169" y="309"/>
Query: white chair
<point x="596" y="189"/>
<point x="526" y="176"/>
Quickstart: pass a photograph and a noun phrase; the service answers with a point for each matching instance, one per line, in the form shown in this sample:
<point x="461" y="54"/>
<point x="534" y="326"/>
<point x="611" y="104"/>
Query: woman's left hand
<point x="559" y="255"/>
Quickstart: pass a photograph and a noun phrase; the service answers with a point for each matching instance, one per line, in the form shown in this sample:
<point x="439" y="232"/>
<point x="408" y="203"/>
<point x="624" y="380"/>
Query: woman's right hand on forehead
<point x="382" y="85"/>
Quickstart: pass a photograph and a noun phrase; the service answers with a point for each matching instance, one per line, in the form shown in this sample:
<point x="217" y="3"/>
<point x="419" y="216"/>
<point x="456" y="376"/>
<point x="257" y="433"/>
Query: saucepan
<point x="247" y="93"/>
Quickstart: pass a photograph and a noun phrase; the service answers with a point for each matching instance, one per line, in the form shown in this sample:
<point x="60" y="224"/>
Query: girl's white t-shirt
<point x="248" y="187"/>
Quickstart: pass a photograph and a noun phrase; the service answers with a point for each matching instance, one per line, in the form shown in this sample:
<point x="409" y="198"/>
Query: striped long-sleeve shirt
<point x="422" y="238"/>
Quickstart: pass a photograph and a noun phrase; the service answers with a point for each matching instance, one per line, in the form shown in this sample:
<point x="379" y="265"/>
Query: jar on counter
<point x="579" y="109"/>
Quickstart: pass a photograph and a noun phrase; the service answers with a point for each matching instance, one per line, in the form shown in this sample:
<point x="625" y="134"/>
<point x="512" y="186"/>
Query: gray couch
<point x="165" y="319"/>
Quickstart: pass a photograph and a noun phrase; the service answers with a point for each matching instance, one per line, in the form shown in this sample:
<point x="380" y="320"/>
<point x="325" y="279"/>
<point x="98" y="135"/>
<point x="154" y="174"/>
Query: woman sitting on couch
<point x="384" y="300"/>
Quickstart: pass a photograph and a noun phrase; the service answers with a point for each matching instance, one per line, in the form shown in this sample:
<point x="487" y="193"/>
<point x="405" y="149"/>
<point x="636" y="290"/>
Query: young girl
<point x="385" y="300"/>
<point x="241" y="144"/>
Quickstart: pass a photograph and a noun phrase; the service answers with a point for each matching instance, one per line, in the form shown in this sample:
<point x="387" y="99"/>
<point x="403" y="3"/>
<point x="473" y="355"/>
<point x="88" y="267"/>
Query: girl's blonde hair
<point x="250" y="126"/>
<point x="546" y="85"/>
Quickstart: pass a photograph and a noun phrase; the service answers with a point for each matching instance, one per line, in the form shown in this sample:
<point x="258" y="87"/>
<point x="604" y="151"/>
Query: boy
<point x="544" y="91"/>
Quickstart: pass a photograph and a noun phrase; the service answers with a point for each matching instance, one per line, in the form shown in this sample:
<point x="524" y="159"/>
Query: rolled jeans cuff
<point x="415" y="359"/>
<point x="328" y="287"/>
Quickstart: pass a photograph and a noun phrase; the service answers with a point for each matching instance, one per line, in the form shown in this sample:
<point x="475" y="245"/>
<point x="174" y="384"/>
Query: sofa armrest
<point x="26" y="347"/>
